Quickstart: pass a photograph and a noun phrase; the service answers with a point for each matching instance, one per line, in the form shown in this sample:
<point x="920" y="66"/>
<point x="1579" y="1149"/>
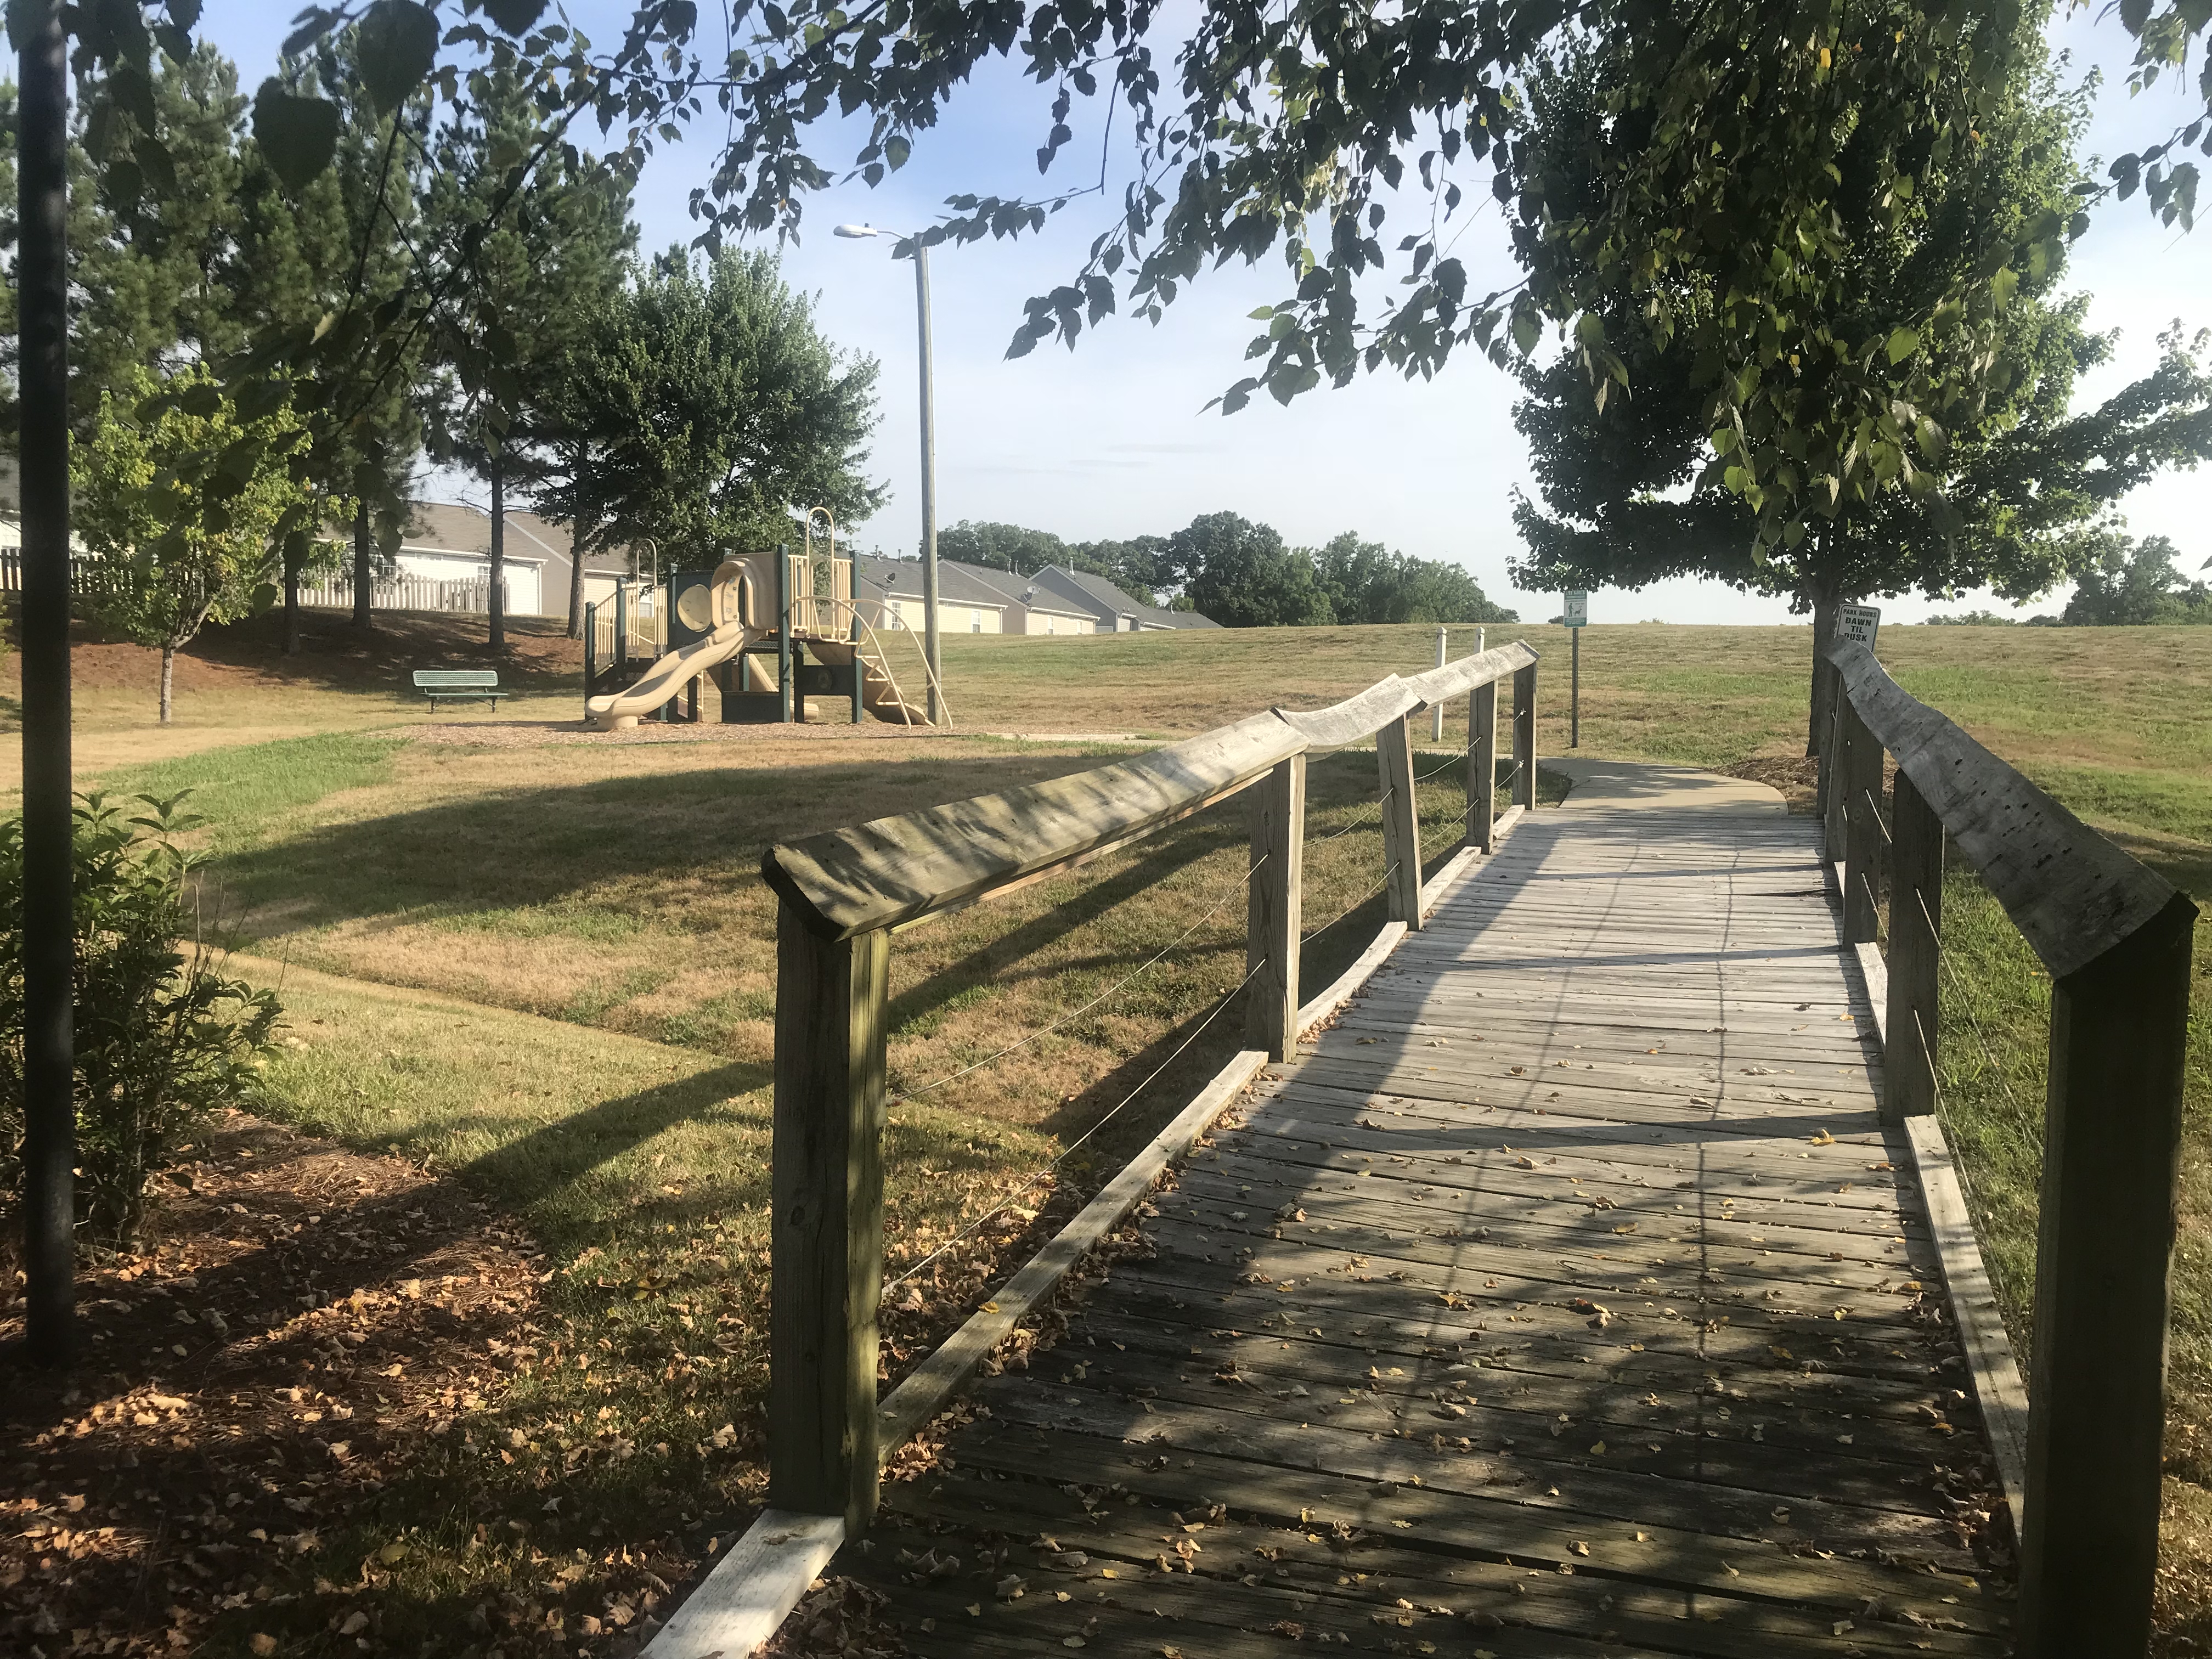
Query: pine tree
<point x="539" y="261"/>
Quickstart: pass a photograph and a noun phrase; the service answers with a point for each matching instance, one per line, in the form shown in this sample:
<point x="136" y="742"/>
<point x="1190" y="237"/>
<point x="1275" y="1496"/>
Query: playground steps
<point x="880" y="693"/>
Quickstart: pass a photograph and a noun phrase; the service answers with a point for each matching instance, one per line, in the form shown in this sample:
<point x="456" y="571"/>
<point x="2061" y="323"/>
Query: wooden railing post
<point x="827" y="1233"/>
<point x="1401" y="824"/>
<point x="1482" y="765"/>
<point x="1524" y="737"/>
<point x="1916" y="919"/>
<point x="1275" y="908"/>
<point x="2103" y="1250"/>
<point x="1834" y="773"/>
<point x="1858" y="786"/>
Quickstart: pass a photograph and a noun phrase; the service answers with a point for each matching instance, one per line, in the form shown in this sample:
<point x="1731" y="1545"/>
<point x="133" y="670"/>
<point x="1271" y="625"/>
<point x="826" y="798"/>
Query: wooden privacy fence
<point x="842" y="895"/>
<point x="2114" y="939"/>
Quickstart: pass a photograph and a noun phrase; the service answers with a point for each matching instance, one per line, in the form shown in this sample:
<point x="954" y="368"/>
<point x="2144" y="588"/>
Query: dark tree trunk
<point x="577" y="537"/>
<point x="1822" y="703"/>
<point x="49" y="929"/>
<point x="364" y="575"/>
<point x="292" y="560"/>
<point x="496" y="601"/>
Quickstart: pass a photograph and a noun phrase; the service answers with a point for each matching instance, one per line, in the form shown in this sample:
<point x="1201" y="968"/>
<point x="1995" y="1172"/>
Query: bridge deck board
<point x="1565" y="1295"/>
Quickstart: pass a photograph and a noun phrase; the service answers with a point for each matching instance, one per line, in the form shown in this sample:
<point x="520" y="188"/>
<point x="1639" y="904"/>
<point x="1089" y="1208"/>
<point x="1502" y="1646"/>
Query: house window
<point x="974" y="622"/>
<point x="1052" y="624"/>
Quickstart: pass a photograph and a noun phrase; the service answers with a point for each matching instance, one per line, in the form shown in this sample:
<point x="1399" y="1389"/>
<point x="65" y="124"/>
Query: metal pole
<point x="783" y="630"/>
<point x="1436" y="714"/>
<point x="928" y="483"/>
<point x="49" y="931"/>
<point x="1575" y="692"/>
<point x="591" y="655"/>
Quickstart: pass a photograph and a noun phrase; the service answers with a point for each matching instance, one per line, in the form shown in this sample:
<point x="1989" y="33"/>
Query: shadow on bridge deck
<point x="1565" y="1296"/>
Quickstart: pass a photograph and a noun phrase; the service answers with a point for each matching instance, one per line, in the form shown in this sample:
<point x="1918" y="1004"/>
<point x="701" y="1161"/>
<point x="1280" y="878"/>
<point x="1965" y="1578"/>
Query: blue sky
<point x="1111" y="440"/>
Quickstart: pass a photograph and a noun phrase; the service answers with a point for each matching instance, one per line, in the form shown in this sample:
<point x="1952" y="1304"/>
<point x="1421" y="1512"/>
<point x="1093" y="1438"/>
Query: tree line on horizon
<point x="1241" y="574"/>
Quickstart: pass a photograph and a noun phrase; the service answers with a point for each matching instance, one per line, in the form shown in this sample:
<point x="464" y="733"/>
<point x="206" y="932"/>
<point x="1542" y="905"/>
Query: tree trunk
<point x="292" y="558"/>
<point x="577" y="537"/>
<point x="168" y="680"/>
<point x="1822" y="703"/>
<point x="363" y="573"/>
<point x="496" y="601"/>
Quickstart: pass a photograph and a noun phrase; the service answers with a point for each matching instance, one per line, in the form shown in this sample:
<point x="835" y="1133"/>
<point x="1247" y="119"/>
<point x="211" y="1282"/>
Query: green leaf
<point x="264" y="597"/>
<point x="896" y="150"/>
<point x="398" y="45"/>
<point x="1903" y="344"/>
<point x="515" y="16"/>
<point x="2002" y="286"/>
<point x="298" y="136"/>
<point x="1528" y="329"/>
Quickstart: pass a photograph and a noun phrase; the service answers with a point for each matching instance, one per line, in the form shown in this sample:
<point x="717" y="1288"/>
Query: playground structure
<point x="752" y="624"/>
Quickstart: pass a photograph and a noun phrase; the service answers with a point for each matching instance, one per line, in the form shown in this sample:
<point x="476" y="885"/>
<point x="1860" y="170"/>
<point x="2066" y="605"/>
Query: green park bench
<point x="458" y="686"/>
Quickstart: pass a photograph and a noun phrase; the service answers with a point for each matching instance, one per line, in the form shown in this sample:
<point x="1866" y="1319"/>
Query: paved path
<point x="1564" y="1298"/>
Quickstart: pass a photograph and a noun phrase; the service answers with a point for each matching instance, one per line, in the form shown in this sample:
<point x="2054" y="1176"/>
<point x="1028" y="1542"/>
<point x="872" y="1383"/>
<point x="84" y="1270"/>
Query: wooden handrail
<point x="2072" y="894"/>
<point x="2116" y="938"/>
<point x="896" y="871"/>
<point x="844" y="893"/>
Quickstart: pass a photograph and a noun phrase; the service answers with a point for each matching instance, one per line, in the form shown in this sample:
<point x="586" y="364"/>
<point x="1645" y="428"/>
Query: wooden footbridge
<point x="1581" y="1275"/>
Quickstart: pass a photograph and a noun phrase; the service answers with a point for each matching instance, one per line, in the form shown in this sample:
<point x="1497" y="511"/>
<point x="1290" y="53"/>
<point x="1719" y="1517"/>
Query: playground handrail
<point x="883" y="656"/>
<point x="844" y="892"/>
<point x="2081" y="1454"/>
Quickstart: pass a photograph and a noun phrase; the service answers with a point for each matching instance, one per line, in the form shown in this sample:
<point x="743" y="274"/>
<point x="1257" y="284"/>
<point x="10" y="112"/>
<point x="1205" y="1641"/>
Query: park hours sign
<point x="1859" y="622"/>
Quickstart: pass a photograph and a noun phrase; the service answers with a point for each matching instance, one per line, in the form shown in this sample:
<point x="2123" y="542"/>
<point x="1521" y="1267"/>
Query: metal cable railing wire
<point x="1069" y="1150"/>
<point x="1236" y="887"/>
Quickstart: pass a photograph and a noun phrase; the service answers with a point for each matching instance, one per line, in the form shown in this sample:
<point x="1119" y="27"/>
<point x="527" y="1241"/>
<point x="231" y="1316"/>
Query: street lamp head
<point x="856" y="231"/>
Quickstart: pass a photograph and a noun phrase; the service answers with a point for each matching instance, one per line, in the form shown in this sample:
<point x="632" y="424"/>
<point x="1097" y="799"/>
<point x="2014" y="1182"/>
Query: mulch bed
<point x="300" y="1315"/>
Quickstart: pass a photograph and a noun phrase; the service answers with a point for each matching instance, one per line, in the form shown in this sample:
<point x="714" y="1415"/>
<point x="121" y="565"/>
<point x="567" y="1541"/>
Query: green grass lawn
<point x="550" y="970"/>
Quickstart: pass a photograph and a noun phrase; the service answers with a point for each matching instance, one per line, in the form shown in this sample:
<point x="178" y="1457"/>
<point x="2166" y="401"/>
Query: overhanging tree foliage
<point x="2003" y="490"/>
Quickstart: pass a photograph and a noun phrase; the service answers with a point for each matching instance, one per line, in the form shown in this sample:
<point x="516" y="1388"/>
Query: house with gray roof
<point x="1117" y="612"/>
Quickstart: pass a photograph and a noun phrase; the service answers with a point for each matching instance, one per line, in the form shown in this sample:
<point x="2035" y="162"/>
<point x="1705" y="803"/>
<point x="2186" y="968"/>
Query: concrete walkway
<point x="1639" y="786"/>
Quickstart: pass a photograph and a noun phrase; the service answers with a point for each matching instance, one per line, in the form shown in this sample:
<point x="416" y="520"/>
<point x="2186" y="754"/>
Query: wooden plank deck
<point x="1564" y="1297"/>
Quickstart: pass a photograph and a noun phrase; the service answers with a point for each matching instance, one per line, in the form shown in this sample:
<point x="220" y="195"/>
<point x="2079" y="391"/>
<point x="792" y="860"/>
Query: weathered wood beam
<point x="1275" y="908"/>
<point x="827" y="1232"/>
<point x="2072" y="894"/>
<point x="1482" y="765"/>
<point x="1401" y="824"/>
<point x="1916" y="918"/>
<point x="1524" y="737"/>
<point x="2112" y="1148"/>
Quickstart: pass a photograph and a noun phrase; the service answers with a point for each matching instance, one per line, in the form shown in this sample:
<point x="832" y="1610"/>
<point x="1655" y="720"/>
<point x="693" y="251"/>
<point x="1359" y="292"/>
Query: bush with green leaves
<point x="163" y="1037"/>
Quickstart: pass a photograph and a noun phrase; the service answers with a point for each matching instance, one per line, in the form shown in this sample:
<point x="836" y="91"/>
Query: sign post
<point x="1577" y="618"/>
<point x="1859" y="622"/>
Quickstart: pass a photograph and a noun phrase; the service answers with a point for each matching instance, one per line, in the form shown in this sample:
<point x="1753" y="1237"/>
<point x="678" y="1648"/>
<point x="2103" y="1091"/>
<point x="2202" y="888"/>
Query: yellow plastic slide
<point x="667" y="675"/>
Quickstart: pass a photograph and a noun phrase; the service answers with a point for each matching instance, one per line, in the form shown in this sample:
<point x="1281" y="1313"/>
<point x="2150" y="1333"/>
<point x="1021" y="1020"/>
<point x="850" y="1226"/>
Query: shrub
<point x="163" y="1037"/>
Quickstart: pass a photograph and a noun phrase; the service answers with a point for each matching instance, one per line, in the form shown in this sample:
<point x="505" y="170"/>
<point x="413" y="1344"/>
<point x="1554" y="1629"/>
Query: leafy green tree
<point x="541" y="260"/>
<point x="2134" y="582"/>
<point x="178" y="533"/>
<point x="1010" y="547"/>
<point x="1241" y="575"/>
<point x="2004" y="493"/>
<point x="712" y="405"/>
<point x="1366" y="582"/>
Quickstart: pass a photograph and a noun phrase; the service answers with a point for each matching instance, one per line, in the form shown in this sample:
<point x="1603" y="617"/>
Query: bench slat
<point x="454" y="678"/>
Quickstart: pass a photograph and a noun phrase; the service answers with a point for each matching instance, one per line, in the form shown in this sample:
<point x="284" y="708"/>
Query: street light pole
<point x="929" y="634"/>
<point x="928" y="479"/>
